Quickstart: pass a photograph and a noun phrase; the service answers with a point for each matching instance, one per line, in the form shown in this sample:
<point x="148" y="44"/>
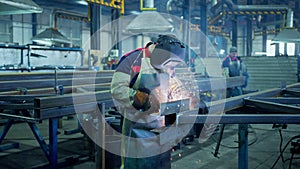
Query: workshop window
<point x="5" y="29"/>
<point x="71" y="29"/>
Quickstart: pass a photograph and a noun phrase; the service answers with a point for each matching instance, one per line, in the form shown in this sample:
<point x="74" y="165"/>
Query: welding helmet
<point x="168" y="52"/>
<point x="233" y="49"/>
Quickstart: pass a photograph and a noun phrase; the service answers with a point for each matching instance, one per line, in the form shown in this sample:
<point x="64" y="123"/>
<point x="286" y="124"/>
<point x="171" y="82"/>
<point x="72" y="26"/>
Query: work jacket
<point x="139" y="141"/>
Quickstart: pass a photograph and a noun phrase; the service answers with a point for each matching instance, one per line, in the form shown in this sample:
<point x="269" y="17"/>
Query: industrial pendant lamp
<point x="51" y="36"/>
<point x="10" y="7"/>
<point x="289" y="34"/>
<point x="149" y="20"/>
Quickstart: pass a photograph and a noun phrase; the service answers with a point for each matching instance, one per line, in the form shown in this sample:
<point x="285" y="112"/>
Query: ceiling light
<point x="82" y="2"/>
<point x="10" y="7"/>
<point x="287" y="35"/>
<point x="51" y="37"/>
<point x="155" y="23"/>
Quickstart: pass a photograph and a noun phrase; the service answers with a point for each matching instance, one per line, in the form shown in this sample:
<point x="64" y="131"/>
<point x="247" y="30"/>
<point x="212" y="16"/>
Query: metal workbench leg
<point x="39" y="138"/>
<point x="53" y="147"/>
<point x="77" y="130"/>
<point x="5" y="130"/>
<point x="50" y="151"/>
<point x="3" y="134"/>
<point x="243" y="146"/>
<point x="216" y="153"/>
<point x="100" y="151"/>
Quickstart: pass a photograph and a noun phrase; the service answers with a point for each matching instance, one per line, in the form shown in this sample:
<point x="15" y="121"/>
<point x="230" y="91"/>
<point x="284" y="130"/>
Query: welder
<point x="143" y="80"/>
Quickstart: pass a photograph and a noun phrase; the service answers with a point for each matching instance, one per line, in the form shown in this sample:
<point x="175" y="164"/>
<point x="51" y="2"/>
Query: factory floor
<point x="264" y="148"/>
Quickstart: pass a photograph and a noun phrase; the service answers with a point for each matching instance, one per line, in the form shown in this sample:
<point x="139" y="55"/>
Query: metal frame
<point x="117" y="4"/>
<point x="51" y="107"/>
<point x="268" y="110"/>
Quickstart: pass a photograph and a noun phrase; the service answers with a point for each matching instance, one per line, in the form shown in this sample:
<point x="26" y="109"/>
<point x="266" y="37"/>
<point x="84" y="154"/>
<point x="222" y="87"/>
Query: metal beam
<point x="117" y="4"/>
<point x="208" y="84"/>
<point x="291" y="92"/>
<point x="71" y="99"/>
<point x="271" y="106"/>
<point x="240" y="119"/>
<point x="8" y="86"/>
<point x="78" y="109"/>
<point x="50" y="75"/>
<point x="19" y="117"/>
<point x="50" y="90"/>
<point x="282" y="100"/>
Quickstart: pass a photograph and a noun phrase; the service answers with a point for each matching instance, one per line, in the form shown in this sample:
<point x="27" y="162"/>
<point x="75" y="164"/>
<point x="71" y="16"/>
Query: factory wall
<point x="270" y="72"/>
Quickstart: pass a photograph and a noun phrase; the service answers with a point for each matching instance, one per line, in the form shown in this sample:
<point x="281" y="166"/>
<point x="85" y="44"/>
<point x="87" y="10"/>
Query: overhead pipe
<point x="57" y="12"/>
<point x="289" y="18"/>
<point x="288" y="34"/>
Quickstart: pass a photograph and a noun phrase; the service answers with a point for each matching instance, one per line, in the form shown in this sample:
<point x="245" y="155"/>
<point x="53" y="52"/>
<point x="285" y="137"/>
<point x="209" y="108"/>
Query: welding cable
<point x="290" y="159"/>
<point x="290" y="164"/>
<point x="280" y="145"/>
<point x="294" y="158"/>
<point x="291" y="139"/>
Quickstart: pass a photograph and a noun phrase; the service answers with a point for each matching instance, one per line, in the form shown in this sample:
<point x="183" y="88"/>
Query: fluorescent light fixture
<point x="82" y="2"/>
<point x="222" y="52"/>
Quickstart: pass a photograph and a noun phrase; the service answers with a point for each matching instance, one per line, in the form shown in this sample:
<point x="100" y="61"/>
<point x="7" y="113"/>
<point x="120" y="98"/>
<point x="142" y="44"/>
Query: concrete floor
<point x="263" y="149"/>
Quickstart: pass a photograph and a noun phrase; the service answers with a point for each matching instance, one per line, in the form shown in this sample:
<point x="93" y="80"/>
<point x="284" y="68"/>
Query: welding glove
<point x="144" y="100"/>
<point x="141" y="99"/>
<point x="146" y="85"/>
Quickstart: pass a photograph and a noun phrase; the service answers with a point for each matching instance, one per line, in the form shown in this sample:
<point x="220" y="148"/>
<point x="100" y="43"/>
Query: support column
<point x="116" y="31"/>
<point x="203" y="15"/>
<point x="186" y="26"/>
<point x="53" y="147"/>
<point x="249" y="33"/>
<point x="34" y="25"/>
<point x="264" y="31"/>
<point x="234" y="28"/>
<point x="264" y="39"/>
<point x="95" y="11"/>
<point x="243" y="146"/>
<point x="277" y="27"/>
<point x="297" y="45"/>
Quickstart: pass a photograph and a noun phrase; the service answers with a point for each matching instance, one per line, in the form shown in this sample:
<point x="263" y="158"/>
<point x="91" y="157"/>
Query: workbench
<point x="37" y="96"/>
<point x="34" y="97"/>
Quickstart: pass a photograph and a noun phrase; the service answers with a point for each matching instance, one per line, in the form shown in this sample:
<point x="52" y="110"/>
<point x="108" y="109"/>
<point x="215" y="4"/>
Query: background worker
<point x="232" y="66"/>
